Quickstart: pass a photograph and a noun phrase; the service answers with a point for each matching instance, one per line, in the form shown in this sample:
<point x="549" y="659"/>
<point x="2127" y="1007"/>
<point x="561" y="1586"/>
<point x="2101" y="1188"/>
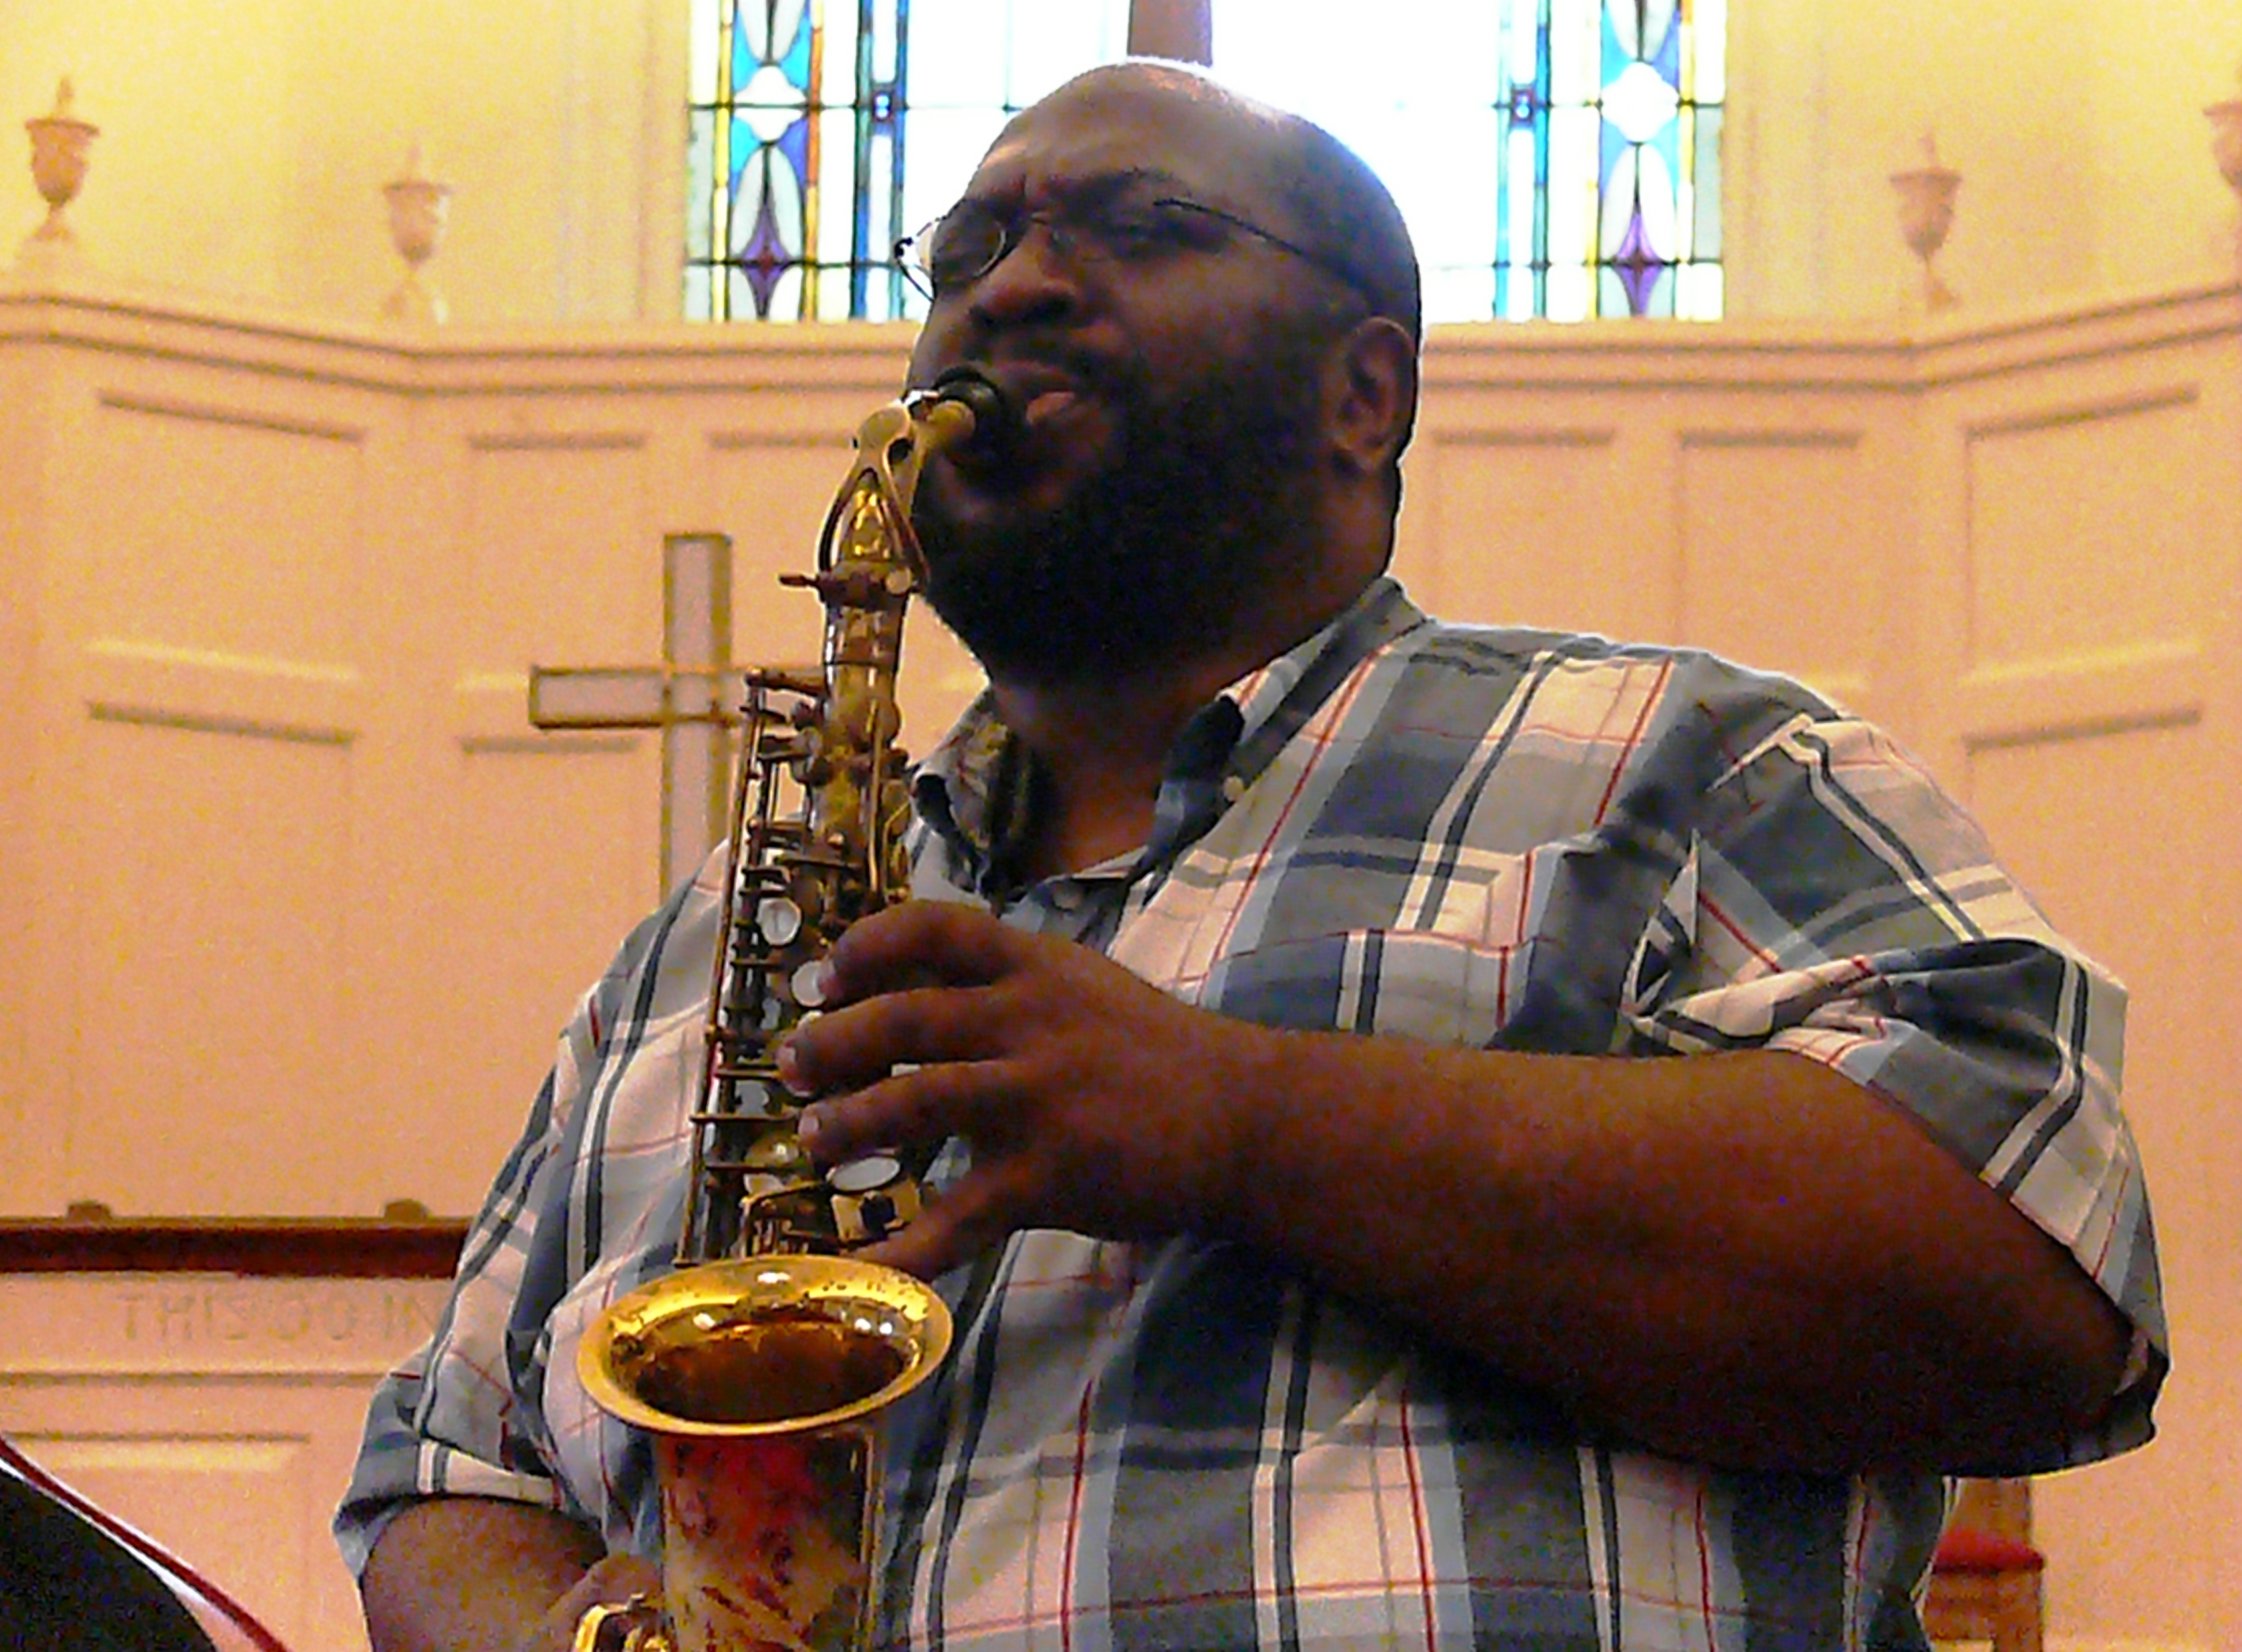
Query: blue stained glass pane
<point x="1662" y="39"/>
<point x="1621" y="37"/>
<point x="794" y="63"/>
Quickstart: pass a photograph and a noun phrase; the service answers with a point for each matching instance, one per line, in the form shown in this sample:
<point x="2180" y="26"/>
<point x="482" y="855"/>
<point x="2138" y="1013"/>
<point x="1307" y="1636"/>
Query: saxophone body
<point x="763" y="1368"/>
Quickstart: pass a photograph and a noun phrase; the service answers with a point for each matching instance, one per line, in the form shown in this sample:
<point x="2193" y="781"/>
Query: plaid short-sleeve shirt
<point x="1495" y="838"/>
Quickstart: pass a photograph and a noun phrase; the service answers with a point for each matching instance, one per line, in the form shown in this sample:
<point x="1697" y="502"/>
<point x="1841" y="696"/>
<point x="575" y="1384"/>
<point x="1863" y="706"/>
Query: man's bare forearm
<point x="459" y="1573"/>
<point x="1746" y="1260"/>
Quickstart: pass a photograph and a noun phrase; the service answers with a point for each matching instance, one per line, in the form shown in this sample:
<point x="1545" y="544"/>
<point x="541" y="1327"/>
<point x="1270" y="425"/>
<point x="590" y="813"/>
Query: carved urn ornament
<point x="62" y="149"/>
<point x="419" y="208"/>
<point x="1926" y="217"/>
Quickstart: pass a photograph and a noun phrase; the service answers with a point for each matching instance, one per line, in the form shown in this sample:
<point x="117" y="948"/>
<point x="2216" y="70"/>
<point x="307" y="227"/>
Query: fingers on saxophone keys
<point x="911" y="1106"/>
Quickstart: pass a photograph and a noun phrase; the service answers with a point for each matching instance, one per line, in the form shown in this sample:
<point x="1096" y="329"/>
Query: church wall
<point x="244" y="146"/>
<point x="304" y="896"/>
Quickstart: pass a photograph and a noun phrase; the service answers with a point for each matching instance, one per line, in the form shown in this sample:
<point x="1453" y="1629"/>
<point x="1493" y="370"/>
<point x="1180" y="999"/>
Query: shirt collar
<point x="975" y="790"/>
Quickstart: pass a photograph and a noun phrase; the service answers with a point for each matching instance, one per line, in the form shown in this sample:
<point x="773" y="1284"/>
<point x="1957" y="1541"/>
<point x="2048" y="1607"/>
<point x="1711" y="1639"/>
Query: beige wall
<point x="244" y="145"/>
<point x="2078" y="128"/>
<point x="244" y="141"/>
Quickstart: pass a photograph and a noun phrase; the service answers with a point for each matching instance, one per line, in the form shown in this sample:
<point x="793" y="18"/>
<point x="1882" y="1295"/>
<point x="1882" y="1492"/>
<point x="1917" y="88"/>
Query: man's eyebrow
<point x="1104" y="185"/>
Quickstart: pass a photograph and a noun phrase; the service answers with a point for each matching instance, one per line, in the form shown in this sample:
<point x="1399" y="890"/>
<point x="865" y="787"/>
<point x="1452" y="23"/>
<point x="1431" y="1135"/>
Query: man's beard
<point x="1150" y="560"/>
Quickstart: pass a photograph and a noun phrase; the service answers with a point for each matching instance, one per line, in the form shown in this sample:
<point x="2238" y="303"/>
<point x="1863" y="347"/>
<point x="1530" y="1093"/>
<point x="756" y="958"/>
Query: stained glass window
<point x="823" y="129"/>
<point x="1554" y="159"/>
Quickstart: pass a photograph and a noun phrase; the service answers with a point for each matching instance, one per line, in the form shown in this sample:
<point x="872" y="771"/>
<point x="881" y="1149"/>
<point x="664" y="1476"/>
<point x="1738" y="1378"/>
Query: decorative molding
<point x="2154" y="685"/>
<point x="864" y="359"/>
<point x="1481" y="434"/>
<point x="801" y="433"/>
<point x="557" y="442"/>
<point x="207" y="413"/>
<point x="280" y="1248"/>
<point x="2059" y="416"/>
<point x="1848" y="439"/>
<point x="208" y="691"/>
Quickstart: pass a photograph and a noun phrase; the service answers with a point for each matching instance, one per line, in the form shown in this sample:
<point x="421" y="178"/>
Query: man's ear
<point x="1370" y="390"/>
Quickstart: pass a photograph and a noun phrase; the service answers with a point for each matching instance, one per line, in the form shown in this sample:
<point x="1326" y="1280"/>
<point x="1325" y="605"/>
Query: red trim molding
<point x="288" y="1247"/>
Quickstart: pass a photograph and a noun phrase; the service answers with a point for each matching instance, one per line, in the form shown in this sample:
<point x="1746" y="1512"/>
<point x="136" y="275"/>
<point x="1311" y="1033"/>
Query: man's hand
<point x="1093" y="1102"/>
<point x="454" y="1572"/>
<point x="617" y="1581"/>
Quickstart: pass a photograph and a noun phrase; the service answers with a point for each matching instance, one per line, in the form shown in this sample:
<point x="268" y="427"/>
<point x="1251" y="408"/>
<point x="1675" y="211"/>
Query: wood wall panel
<point x="172" y="1481"/>
<point x="221" y="527"/>
<point x="544" y="546"/>
<point x="1786" y="559"/>
<point x="2081" y="526"/>
<point x="211" y="976"/>
<point x="1527" y="525"/>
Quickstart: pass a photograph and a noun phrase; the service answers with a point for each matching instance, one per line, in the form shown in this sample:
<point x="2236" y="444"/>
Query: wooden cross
<point x="692" y="697"/>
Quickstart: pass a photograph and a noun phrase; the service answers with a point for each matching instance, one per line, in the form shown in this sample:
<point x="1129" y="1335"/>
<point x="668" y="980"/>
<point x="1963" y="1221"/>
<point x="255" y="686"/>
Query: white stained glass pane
<point x="954" y="59"/>
<point x="1052" y="41"/>
<point x="1640" y="103"/>
<point x="1316" y="58"/>
<point x="1442" y="165"/>
<point x="1571" y="294"/>
<point x="943" y="147"/>
<point x="1618" y="203"/>
<point x="880" y="226"/>
<point x="697" y="294"/>
<point x="1573" y="134"/>
<point x="1576" y="50"/>
<point x="836" y="73"/>
<point x="700" y="61"/>
<point x="1659" y="17"/>
<point x="1705" y="223"/>
<point x="837" y="179"/>
<point x="1623" y="16"/>
<point x="786" y="296"/>
<point x="1522" y="201"/>
<point x="1522" y="38"/>
<point x="1707" y="59"/>
<point x="1463" y="293"/>
<point x="1697" y="295"/>
<point x="700" y="188"/>
<point x="832" y="293"/>
<point x="883" y="44"/>
<point x="1655" y="185"/>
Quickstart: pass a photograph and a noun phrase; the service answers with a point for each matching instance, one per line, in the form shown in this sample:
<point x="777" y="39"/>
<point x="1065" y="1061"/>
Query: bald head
<point x="1322" y="192"/>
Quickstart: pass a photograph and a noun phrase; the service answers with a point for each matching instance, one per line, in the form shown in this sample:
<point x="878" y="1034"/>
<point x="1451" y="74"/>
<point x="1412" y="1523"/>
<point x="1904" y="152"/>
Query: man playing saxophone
<point x="1447" y="1135"/>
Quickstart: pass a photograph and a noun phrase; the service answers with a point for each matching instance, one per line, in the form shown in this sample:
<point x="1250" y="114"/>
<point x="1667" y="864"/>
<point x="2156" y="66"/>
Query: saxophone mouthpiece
<point x="995" y="421"/>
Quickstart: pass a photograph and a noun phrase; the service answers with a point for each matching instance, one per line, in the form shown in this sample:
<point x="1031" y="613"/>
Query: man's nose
<point x="1035" y="278"/>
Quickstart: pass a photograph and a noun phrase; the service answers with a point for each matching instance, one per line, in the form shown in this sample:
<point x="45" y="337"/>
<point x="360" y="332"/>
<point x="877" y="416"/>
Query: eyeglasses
<point x="972" y="239"/>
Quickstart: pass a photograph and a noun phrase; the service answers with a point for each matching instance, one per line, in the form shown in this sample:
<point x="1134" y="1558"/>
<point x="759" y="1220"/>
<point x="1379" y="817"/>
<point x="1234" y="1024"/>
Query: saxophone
<point x="763" y="1368"/>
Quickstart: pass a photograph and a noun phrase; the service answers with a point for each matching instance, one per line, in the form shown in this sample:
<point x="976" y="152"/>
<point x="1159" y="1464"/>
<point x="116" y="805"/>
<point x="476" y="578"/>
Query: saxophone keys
<point x="808" y="984"/>
<point x="865" y="1175"/>
<point x="779" y="919"/>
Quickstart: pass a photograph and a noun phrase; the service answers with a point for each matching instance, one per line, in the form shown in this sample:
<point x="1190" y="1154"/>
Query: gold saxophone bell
<point x="764" y="1381"/>
<point x="765" y="1367"/>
